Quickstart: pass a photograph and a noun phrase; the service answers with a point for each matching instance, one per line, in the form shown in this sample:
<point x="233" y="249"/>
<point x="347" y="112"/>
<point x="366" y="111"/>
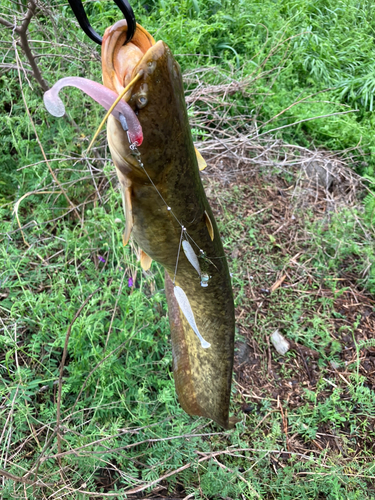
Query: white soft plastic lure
<point x="191" y="256"/>
<point x="185" y="307"/>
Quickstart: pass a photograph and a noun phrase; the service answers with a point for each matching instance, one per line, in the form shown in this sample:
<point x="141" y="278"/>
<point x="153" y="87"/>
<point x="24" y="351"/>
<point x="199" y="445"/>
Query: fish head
<point x="156" y="97"/>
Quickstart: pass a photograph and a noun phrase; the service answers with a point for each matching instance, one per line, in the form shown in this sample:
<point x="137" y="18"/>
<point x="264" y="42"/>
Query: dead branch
<point x="23" y="480"/>
<point x="21" y="30"/>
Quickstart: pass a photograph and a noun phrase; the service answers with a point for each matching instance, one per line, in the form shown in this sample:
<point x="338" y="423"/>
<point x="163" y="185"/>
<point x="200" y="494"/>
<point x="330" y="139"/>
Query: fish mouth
<point x="137" y="67"/>
<point x="122" y="63"/>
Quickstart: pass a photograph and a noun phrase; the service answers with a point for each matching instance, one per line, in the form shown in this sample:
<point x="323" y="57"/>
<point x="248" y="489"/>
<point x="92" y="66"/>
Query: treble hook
<point x="80" y="14"/>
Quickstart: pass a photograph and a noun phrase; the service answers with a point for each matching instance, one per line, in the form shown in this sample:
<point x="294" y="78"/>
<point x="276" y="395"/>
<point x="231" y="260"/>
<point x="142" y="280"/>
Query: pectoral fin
<point x="209" y="225"/>
<point x="145" y="261"/>
<point x="201" y="163"/>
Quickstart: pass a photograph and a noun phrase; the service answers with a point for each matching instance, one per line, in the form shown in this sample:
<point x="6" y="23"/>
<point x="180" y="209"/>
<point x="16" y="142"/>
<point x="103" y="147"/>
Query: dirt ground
<point x="282" y="211"/>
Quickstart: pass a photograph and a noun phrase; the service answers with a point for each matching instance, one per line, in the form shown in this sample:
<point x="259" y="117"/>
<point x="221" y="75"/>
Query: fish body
<point x="175" y="197"/>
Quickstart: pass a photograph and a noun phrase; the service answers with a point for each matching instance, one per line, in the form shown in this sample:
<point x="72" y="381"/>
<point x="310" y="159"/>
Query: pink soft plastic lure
<point x="102" y="95"/>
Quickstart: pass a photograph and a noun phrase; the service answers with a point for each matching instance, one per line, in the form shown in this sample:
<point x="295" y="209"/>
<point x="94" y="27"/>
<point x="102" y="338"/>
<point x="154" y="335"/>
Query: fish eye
<point x="141" y="101"/>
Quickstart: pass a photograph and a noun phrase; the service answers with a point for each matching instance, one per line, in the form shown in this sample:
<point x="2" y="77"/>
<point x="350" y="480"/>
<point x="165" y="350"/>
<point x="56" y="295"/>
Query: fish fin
<point x="127" y="203"/>
<point x="201" y="162"/>
<point x="209" y="225"/>
<point x="145" y="261"/>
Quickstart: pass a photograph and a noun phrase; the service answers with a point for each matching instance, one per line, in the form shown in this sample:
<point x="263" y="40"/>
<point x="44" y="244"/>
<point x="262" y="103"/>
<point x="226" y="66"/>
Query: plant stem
<point x="24" y="42"/>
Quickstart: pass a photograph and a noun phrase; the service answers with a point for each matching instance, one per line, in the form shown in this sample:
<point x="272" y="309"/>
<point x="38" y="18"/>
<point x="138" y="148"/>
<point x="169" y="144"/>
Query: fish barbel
<point x="168" y="214"/>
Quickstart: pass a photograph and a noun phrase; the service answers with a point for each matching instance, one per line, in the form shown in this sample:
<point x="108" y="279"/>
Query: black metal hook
<point x="80" y="14"/>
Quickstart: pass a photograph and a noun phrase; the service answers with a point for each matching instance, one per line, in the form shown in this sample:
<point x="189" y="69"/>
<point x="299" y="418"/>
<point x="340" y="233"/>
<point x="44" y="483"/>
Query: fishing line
<point x="188" y="235"/>
<point x="203" y="253"/>
<point x="179" y="293"/>
<point x="136" y="152"/>
<point x="189" y="253"/>
<point x="178" y="253"/>
<point x="137" y="155"/>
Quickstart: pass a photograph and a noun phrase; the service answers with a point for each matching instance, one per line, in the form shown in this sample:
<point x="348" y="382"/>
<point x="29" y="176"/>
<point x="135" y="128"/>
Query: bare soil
<point x="279" y="210"/>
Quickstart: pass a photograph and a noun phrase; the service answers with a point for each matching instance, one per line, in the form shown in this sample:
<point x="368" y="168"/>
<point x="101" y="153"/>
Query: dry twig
<point x="21" y="30"/>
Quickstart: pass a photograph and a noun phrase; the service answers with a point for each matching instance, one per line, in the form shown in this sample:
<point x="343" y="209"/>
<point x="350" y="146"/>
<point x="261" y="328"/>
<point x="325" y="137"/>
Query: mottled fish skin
<point x="202" y="376"/>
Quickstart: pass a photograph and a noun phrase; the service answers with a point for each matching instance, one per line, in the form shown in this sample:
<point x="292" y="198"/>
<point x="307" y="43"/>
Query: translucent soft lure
<point x="185" y="307"/>
<point x="102" y="95"/>
<point x="194" y="261"/>
<point x="191" y="256"/>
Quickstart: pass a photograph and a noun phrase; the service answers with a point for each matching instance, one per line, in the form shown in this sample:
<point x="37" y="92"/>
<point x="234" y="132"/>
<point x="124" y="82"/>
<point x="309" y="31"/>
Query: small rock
<point x="320" y="173"/>
<point x="235" y="253"/>
<point x="280" y="343"/>
<point x="243" y="352"/>
<point x="335" y="365"/>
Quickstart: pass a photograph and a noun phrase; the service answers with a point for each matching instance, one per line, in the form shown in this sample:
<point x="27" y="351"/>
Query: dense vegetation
<point x="306" y="78"/>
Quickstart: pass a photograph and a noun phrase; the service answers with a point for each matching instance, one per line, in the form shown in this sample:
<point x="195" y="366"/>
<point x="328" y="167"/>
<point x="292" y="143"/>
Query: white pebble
<point x="280" y="343"/>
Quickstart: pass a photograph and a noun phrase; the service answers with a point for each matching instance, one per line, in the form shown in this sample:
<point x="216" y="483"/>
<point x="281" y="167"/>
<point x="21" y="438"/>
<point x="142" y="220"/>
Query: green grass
<point x="121" y="424"/>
